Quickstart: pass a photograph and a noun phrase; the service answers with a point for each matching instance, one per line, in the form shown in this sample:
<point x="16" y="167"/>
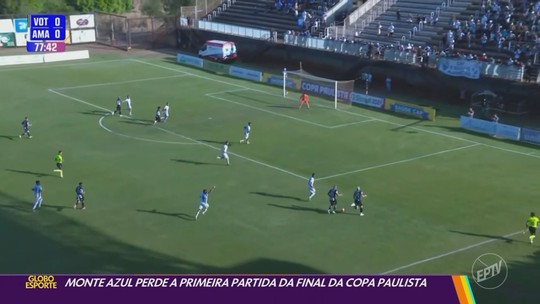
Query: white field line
<point x="80" y="100"/>
<point x="269" y="112"/>
<point x="399" y="162"/>
<point x="344" y="111"/>
<point x="450" y="253"/>
<point x="118" y="82"/>
<point x="48" y="66"/>
<point x="236" y="85"/>
<point x="189" y="138"/>
<point x="235" y="154"/>
<point x="142" y="138"/>
<point x="351" y="124"/>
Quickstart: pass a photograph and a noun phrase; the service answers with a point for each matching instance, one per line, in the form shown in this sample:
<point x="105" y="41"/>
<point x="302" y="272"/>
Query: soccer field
<point x="438" y="198"/>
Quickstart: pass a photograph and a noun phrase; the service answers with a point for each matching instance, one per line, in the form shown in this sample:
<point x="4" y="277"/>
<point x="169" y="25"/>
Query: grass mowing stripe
<point x="353" y="113"/>
<point x="189" y="138"/>
<point x="119" y="82"/>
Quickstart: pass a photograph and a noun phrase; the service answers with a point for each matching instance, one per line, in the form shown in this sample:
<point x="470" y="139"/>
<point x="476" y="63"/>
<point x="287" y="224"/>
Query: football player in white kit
<point x="224" y="154"/>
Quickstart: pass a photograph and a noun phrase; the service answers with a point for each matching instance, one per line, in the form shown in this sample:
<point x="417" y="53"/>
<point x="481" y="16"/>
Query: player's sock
<point x="329" y="211"/>
<point x="83" y="206"/>
<point x="62" y="173"/>
<point x="205" y="211"/>
<point x="74" y="206"/>
<point x="197" y="215"/>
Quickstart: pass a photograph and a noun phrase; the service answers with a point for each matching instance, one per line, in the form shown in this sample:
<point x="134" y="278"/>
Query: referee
<point x="532" y="224"/>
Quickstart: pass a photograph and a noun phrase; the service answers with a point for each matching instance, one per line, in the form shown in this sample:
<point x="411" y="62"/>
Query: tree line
<point x="148" y="7"/>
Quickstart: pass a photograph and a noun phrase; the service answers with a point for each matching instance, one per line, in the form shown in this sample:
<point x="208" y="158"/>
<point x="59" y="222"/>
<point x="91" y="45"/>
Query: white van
<point x="218" y="50"/>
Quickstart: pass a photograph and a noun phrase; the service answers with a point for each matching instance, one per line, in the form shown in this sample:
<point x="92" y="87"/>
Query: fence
<point x="142" y="32"/>
<point x="205" y="9"/>
<point x="234" y="30"/>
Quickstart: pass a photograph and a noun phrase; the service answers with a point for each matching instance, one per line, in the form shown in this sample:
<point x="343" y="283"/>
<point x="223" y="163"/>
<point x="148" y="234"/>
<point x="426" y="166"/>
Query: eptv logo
<point x="489" y="271"/>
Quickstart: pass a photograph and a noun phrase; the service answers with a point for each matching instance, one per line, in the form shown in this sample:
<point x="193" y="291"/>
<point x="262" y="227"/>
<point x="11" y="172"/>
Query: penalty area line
<point x="451" y="252"/>
<point x="399" y="161"/>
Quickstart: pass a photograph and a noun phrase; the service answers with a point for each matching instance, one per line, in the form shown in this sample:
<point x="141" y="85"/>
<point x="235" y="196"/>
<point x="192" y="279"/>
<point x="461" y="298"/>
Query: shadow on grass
<point x="209" y="141"/>
<point x="10" y="137"/>
<point x="412" y="124"/>
<point x="36" y="174"/>
<point x="56" y="207"/>
<point x="96" y="112"/>
<point x="278" y="196"/>
<point x="193" y="162"/>
<point x="301" y="208"/>
<point x="64" y="243"/>
<point x="183" y="216"/>
<point x="284" y="107"/>
<point x="137" y="122"/>
<point x="488" y="236"/>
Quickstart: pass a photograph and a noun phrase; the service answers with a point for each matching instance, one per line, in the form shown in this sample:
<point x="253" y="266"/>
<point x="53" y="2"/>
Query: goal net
<point x="336" y="91"/>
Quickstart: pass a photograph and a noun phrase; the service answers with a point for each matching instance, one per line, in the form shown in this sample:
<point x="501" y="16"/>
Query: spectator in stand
<point x="379" y="29"/>
<point x="398" y="15"/>
<point x="470" y="113"/>
<point x="495" y="118"/>
<point x="391" y="29"/>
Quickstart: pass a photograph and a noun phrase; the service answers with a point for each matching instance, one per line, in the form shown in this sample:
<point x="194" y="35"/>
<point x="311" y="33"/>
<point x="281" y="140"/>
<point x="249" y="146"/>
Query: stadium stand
<point x="418" y="22"/>
<point x="279" y="16"/>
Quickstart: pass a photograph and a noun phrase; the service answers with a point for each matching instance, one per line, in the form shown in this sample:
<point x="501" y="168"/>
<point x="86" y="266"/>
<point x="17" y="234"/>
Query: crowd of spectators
<point x="311" y="15"/>
<point x="508" y="27"/>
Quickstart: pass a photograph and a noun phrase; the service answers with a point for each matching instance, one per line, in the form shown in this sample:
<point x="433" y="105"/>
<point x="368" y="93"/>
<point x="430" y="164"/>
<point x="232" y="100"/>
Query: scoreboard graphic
<point x="46" y="34"/>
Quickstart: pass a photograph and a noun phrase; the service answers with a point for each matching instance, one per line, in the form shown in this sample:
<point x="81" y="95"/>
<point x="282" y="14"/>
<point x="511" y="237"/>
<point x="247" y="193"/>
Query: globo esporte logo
<point x="40" y="282"/>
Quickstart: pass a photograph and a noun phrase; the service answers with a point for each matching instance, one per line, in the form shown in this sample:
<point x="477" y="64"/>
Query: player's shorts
<point x="165" y="116"/>
<point x="59" y="166"/>
<point x="203" y="205"/>
<point x="333" y="202"/>
<point x="158" y="118"/>
<point x="358" y="203"/>
<point x="118" y="108"/>
<point x="246" y="135"/>
<point x="80" y="198"/>
<point x="225" y="156"/>
<point x="26" y="130"/>
<point x="532" y="230"/>
<point x="311" y="190"/>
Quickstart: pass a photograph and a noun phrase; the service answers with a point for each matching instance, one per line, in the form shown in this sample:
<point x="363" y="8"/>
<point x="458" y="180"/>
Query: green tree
<point x="173" y="6"/>
<point x="82" y="5"/>
<point x="152" y="8"/>
<point x="9" y="6"/>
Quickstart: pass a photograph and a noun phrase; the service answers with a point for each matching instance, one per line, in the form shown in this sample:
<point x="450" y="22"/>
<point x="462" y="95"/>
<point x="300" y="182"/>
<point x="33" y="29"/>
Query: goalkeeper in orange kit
<point x="304" y="100"/>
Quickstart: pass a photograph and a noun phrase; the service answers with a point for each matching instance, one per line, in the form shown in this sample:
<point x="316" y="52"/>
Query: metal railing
<point x="367" y="13"/>
<point x="234" y="30"/>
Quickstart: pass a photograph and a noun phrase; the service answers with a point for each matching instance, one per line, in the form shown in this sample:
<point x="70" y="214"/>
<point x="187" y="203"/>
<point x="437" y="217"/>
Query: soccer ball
<point x="342" y="210"/>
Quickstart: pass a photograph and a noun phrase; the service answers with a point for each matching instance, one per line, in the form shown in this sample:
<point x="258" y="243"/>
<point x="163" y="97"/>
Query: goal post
<point x="336" y="91"/>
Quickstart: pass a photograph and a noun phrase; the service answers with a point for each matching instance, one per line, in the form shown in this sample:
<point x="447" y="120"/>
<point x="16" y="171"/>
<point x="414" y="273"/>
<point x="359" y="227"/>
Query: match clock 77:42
<point x="45" y="46"/>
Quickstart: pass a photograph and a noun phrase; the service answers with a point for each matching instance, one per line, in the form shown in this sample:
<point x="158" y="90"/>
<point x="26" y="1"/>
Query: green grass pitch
<point x="437" y="197"/>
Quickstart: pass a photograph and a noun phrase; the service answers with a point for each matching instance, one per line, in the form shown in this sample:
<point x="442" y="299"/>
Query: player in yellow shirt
<point x="532" y="224"/>
<point x="59" y="161"/>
